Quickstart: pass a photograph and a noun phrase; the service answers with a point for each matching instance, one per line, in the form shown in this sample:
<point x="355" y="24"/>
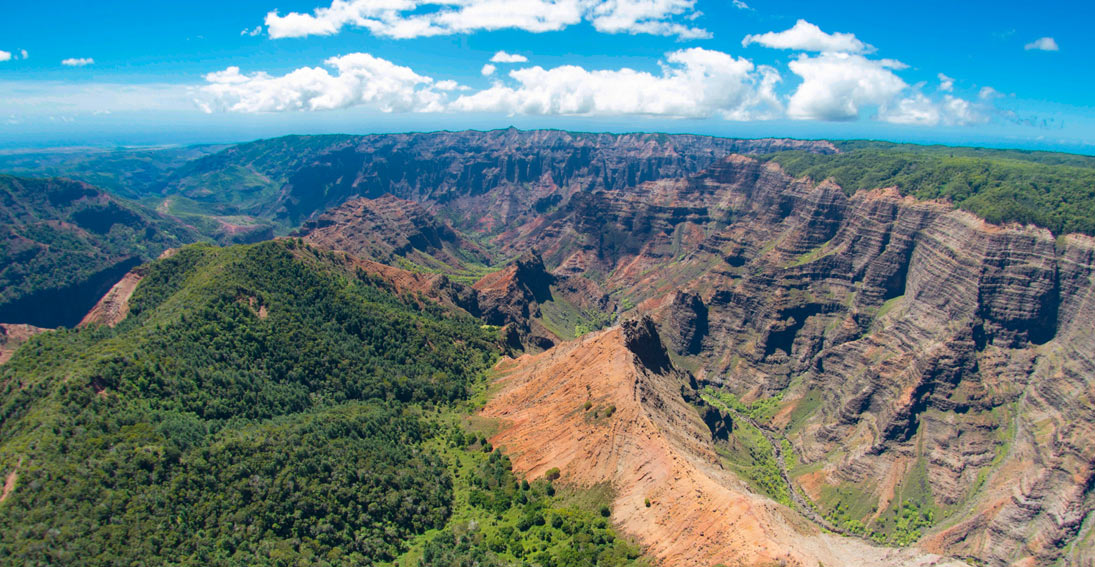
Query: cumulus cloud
<point x="403" y="19"/>
<point x="805" y="36"/>
<point x="693" y="83"/>
<point x="5" y="55"/>
<point x="946" y="84"/>
<point x="1042" y="44"/>
<point x="741" y="5"/>
<point x="503" y="57"/>
<point x="77" y="61"/>
<point x="24" y="53"/>
<point x="359" y="80"/>
<point x="835" y="86"/>
<point x="252" y="32"/>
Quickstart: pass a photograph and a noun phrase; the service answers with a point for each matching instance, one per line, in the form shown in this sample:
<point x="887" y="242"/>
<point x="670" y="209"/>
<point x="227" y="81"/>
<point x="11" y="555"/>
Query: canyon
<point x="765" y="369"/>
<point x="929" y="372"/>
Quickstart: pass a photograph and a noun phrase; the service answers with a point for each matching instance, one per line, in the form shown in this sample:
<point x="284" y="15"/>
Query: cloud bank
<point x="405" y="19"/>
<point x="359" y="79"/>
<point x="834" y="77"/>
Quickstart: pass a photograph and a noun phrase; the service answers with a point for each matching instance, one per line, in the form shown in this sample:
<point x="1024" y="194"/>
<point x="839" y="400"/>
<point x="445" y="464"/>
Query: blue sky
<point x="141" y="73"/>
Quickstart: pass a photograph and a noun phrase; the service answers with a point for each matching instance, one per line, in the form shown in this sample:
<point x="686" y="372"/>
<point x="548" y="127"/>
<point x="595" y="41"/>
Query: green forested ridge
<point x="1055" y="191"/>
<point x="56" y="235"/>
<point x="262" y="404"/>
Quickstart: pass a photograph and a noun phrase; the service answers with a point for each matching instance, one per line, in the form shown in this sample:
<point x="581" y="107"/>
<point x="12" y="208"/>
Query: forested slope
<point x="64" y="243"/>
<point x="1055" y="191"/>
<point x="262" y="404"/>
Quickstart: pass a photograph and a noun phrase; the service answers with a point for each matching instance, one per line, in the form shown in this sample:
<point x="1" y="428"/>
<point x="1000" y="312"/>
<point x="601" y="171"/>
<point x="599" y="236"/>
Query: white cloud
<point x="805" y="36"/>
<point x="403" y="19"/>
<point x="693" y="83"/>
<point x="450" y="86"/>
<point x="77" y="62"/>
<point x="741" y="5"/>
<point x="23" y="52"/>
<point x="920" y="110"/>
<point x="5" y="55"/>
<point x="360" y="79"/>
<point x="835" y="86"/>
<point x="645" y="16"/>
<point x="252" y="32"/>
<point x="503" y="57"/>
<point x="988" y="93"/>
<point x="946" y="84"/>
<point x="1042" y="44"/>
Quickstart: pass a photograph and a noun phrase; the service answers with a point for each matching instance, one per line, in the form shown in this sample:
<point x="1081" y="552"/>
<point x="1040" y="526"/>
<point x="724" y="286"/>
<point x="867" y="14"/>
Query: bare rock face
<point x="489" y="179"/>
<point x="389" y="229"/>
<point x="934" y="373"/>
<point x="686" y="324"/>
<point x="512" y="297"/>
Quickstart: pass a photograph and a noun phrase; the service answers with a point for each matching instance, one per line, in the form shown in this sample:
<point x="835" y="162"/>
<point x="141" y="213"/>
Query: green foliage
<point x="522" y="524"/>
<point x="762" y="409"/>
<point x="749" y="452"/>
<point x="257" y="407"/>
<point x="57" y="235"/>
<point x="1055" y="191"/>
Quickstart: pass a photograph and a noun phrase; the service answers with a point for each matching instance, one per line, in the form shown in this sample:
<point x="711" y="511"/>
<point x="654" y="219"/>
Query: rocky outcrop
<point x="389" y="229"/>
<point x="655" y="451"/>
<point x="686" y="323"/>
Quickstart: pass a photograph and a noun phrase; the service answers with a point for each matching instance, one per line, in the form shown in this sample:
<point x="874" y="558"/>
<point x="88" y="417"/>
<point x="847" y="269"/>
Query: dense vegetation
<point x="261" y="405"/>
<point x="501" y="521"/>
<point x="57" y="236"/>
<point x="1055" y="191"/>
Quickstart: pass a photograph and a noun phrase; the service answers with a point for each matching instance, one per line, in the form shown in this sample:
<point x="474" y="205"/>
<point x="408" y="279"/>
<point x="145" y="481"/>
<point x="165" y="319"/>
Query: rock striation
<point x="924" y="359"/>
<point x="652" y="446"/>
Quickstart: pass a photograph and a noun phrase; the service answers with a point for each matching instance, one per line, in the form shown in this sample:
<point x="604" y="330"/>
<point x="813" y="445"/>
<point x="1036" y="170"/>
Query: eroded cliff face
<point x="928" y="365"/>
<point x="610" y="407"/>
<point x="390" y="230"/>
<point x="490" y="179"/>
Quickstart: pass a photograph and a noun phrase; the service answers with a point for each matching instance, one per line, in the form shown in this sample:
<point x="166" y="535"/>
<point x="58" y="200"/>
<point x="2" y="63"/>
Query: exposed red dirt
<point x="654" y="446"/>
<point x="114" y="306"/>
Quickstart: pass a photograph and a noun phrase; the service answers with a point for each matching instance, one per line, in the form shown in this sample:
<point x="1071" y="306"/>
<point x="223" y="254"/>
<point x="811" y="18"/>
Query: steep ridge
<point x="393" y="230"/>
<point x="609" y="408"/>
<point x="485" y="179"/>
<point x="63" y="243"/>
<point x="537" y="308"/>
<point x="929" y="369"/>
